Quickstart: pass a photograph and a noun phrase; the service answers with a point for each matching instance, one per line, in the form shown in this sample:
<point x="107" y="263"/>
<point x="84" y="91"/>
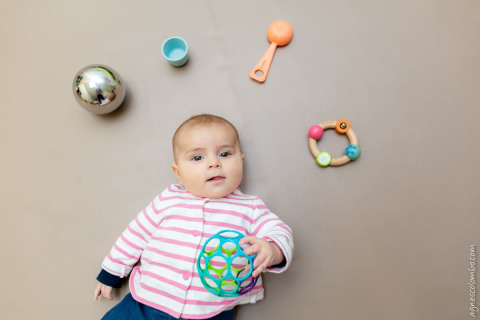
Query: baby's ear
<point x="175" y="170"/>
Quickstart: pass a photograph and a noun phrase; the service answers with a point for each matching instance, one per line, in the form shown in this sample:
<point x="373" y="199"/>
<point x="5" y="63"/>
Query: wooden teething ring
<point x="324" y="159"/>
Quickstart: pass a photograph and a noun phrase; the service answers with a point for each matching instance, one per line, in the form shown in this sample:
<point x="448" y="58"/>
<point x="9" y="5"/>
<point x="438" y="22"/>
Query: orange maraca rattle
<point x="280" y="34"/>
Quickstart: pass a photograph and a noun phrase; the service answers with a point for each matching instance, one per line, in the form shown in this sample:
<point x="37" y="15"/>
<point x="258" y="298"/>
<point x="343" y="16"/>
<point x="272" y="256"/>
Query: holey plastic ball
<point x="224" y="269"/>
<point x="98" y="88"/>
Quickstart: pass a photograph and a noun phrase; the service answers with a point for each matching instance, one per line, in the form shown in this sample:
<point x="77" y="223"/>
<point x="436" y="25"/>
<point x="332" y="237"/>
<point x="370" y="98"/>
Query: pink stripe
<point x="212" y="303"/>
<point x="142" y="227"/>
<point x="183" y="218"/>
<point x="237" y="214"/>
<point x="131" y="244"/>
<point x="236" y="204"/>
<point x="229" y="212"/>
<point x="225" y="225"/>
<point x="281" y="225"/>
<point x="160" y="197"/>
<point x="269" y="239"/>
<point x="185" y="231"/>
<point x="188" y="206"/>
<point x="163" y="279"/>
<point x="279" y="245"/>
<point x="177" y="242"/>
<point x="163" y="293"/>
<point x="171" y="268"/>
<point x="243" y="196"/>
<point x="125" y="253"/>
<point x="178" y="189"/>
<point x="233" y="195"/>
<point x="178" y="205"/>
<point x="173" y="283"/>
<point x="253" y="207"/>
<point x="111" y="271"/>
<point x="148" y="218"/>
<point x="196" y="288"/>
<point x="154" y="208"/>
<point x="263" y="223"/>
<point x="171" y="255"/>
<point x="180" y="257"/>
<point x="282" y="247"/>
<point x="111" y="258"/>
<point x="136" y="233"/>
<point x="266" y="213"/>
<point x="287" y="229"/>
<point x="181" y="230"/>
<point x="166" y="266"/>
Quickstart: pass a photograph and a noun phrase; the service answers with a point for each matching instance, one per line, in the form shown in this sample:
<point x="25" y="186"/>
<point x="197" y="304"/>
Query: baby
<point x="168" y="235"/>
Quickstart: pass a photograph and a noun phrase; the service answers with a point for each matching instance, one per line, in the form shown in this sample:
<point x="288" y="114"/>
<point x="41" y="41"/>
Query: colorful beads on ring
<point x="324" y="159"/>
<point x="342" y="126"/>
<point x="352" y="152"/>
<point x="315" y="132"/>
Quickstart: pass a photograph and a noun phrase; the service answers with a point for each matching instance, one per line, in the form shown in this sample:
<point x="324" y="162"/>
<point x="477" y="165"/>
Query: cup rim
<point x="169" y="40"/>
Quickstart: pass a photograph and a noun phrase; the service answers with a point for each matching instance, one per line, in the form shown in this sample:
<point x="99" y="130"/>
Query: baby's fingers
<point x="258" y="268"/>
<point x="259" y="265"/>
<point x="103" y="290"/>
<point x="249" y="245"/>
<point x="97" y="292"/>
<point x="107" y="292"/>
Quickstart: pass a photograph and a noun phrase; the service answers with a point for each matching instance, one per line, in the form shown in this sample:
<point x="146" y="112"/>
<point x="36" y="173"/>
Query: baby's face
<point x="209" y="162"/>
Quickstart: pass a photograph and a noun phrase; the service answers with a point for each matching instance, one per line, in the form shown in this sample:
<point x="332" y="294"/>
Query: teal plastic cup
<point x="175" y="50"/>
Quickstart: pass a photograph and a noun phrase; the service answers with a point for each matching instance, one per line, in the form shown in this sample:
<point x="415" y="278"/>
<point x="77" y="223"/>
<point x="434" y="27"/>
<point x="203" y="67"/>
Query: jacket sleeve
<point x="129" y="246"/>
<point x="109" y="279"/>
<point x="270" y="227"/>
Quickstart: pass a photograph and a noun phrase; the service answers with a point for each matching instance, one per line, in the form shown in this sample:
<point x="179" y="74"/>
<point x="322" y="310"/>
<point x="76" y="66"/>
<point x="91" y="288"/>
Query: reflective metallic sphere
<point x="98" y="88"/>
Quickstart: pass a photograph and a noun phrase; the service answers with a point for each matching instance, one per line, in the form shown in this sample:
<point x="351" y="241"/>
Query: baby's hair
<point x="203" y="120"/>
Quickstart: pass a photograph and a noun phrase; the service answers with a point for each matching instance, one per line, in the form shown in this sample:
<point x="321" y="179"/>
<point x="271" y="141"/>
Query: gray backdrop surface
<point x="388" y="236"/>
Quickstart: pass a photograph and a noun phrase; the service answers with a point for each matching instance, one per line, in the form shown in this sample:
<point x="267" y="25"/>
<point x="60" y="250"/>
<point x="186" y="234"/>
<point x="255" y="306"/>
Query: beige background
<point x="385" y="237"/>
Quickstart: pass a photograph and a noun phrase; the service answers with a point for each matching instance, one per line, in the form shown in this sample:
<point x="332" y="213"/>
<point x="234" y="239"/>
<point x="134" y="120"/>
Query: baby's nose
<point x="214" y="163"/>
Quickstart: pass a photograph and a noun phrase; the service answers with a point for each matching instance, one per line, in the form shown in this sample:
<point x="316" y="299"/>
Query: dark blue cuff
<point x="280" y="265"/>
<point x="109" y="279"/>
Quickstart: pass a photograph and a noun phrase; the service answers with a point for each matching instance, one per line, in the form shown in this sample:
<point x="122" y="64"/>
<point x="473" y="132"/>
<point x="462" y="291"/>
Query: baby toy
<point x="175" y="50"/>
<point x="98" y="89"/>
<point x="324" y="159"/>
<point x="225" y="270"/>
<point x="279" y="33"/>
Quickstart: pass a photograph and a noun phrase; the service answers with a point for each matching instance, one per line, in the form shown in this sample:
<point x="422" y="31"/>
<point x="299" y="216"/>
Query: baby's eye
<point x="224" y="154"/>
<point x="197" y="158"/>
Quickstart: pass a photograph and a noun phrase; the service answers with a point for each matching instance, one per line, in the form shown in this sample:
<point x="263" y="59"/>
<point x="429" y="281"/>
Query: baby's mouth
<point x="216" y="178"/>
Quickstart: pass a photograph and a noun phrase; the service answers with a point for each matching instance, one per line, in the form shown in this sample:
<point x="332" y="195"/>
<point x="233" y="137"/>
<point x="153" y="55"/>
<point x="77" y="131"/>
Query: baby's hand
<point x="104" y="290"/>
<point x="268" y="253"/>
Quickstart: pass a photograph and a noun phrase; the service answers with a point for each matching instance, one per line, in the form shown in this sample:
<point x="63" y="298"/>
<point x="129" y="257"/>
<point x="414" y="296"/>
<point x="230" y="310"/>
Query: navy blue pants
<point x="130" y="309"/>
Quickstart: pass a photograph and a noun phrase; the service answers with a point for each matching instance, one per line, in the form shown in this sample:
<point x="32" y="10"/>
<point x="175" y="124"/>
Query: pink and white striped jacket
<point x="167" y="237"/>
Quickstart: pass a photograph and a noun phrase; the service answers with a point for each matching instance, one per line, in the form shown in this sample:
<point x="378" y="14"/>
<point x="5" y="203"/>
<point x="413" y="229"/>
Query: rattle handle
<point x="263" y="64"/>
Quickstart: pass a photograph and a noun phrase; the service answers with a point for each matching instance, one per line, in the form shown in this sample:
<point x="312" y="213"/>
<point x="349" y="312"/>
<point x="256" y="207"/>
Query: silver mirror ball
<point x="98" y="88"/>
